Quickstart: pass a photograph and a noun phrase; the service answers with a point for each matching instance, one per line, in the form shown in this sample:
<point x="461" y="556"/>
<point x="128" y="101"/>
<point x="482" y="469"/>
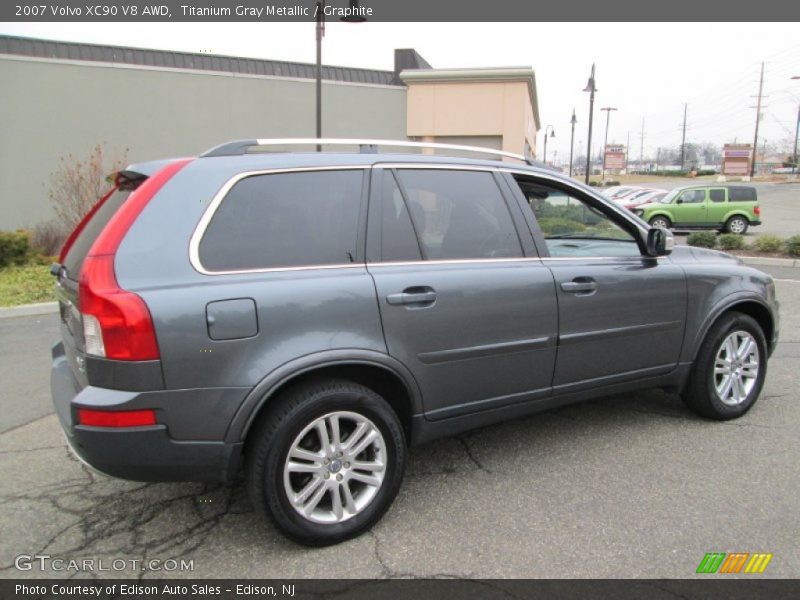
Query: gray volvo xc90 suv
<point x="308" y="316"/>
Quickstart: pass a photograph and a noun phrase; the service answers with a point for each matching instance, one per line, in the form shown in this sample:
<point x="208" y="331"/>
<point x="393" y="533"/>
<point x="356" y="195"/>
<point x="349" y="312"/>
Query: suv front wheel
<point x="729" y="370"/>
<point x="326" y="462"/>
<point x="660" y="221"/>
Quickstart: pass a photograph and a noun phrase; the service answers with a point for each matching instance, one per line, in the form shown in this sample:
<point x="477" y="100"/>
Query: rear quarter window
<point x="278" y="220"/>
<point x="742" y="194"/>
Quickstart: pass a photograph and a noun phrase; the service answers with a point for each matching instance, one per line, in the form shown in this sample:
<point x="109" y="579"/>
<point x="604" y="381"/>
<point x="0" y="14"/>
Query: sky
<point x="648" y="71"/>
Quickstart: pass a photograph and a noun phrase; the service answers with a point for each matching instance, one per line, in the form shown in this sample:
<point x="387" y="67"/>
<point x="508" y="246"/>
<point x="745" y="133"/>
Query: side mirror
<point x="679" y="201"/>
<point x="659" y="242"/>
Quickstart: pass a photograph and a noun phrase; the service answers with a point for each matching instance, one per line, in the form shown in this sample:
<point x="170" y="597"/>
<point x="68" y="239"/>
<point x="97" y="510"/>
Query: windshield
<point x="670" y="196"/>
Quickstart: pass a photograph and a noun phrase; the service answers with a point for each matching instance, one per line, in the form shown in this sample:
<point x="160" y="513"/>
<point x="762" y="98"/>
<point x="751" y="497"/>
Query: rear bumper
<point x="138" y="453"/>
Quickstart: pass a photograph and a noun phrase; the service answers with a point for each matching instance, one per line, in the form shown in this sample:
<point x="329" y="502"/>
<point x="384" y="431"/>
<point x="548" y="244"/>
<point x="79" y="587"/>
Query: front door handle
<point x="413" y="296"/>
<point x="583" y="286"/>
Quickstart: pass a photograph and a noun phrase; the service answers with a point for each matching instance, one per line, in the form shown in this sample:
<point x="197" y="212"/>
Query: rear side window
<point x="285" y="220"/>
<point x="73" y="261"/>
<point x="742" y="194"/>
<point x="398" y="240"/>
<point x="459" y="214"/>
<point x="717" y="195"/>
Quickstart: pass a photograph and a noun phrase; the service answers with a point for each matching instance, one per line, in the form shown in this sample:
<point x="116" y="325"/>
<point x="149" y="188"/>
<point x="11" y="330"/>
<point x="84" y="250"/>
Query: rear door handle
<point x="580" y="286"/>
<point x="414" y="296"/>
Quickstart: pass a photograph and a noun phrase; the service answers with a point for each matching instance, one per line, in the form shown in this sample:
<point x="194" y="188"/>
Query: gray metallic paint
<point x="501" y="340"/>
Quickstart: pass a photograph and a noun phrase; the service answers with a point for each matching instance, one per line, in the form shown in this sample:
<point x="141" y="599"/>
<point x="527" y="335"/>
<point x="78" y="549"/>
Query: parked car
<point x="644" y="197"/>
<point x="307" y="317"/>
<point x="619" y="191"/>
<point x="726" y="208"/>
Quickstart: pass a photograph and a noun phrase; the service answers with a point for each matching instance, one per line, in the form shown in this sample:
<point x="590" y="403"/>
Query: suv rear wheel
<point x="730" y="368"/>
<point x="327" y="462"/>
<point x="660" y="221"/>
<point x="737" y="225"/>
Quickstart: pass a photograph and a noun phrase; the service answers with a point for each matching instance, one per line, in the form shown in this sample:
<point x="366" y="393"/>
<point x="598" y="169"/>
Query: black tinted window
<point x="398" y="241"/>
<point x="742" y="194"/>
<point x="459" y="214"/>
<point x="285" y="220"/>
<point x="73" y="261"/>
<point x="717" y="195"/>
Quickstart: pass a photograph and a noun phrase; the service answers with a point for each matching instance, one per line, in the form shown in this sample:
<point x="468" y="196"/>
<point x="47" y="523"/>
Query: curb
<point x="772" y="262"/>
<point x="28" y="310"/>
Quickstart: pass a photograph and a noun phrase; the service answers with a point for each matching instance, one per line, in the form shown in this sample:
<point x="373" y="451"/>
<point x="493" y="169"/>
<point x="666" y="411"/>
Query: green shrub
<point x="14" y="248"/>
<point x="703" y="239"/>
<point x="559" y="226"/>
<point x="768" y="243"/>
<point x="731" y="241"/>
<point x="793" y="245"/>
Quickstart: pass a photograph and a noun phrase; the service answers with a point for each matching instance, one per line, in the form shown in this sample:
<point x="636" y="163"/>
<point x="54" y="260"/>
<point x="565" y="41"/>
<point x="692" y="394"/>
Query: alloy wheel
<point x="335" y="467"/>
<point x="736" y="367"/>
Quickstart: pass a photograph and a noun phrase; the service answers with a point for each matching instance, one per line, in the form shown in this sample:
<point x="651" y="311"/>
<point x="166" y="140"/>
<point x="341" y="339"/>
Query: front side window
<point x="572" y="227"/>
<point x="692" y="197"/>
<point x="285" y="220"/>
<point x="455" y="215"/>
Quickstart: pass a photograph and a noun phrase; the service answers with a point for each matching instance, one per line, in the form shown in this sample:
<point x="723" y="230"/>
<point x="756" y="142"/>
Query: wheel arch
<point x="749" y="305"/>
<point x="737" y="213"/>
<point x="386" y="376"/>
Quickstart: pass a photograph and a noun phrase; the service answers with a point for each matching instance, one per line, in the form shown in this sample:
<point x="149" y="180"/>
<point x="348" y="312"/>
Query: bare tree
<point x="78" y="183"/>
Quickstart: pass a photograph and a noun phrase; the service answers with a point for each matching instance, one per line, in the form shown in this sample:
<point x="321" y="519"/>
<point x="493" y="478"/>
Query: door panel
<point x="482" y="334"/>
<point x="631" y="322"/>
<point x="691" y="208"/>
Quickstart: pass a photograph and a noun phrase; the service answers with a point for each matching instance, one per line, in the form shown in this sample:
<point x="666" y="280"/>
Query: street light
<point x="355" y="17"/>
<point x="590" y="87"/>
<point x="552" y="134"/>
<point x="572" y="121"/>
<point x="608" y="110"/>
<point x="796" y="133"/>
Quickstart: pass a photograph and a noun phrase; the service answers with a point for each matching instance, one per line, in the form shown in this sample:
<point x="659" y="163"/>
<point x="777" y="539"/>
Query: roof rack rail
<point x="365" y="146"/>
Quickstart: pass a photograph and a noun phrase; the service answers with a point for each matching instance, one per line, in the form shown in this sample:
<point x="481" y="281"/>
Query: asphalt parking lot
<point x="630" y="486"/>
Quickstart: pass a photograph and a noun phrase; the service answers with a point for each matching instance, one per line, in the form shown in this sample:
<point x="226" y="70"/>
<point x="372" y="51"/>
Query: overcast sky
<point x="646" y="70"/>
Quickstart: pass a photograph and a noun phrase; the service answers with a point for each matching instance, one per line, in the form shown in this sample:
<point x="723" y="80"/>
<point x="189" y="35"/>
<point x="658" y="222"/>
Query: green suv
<point x="726" y="208"/>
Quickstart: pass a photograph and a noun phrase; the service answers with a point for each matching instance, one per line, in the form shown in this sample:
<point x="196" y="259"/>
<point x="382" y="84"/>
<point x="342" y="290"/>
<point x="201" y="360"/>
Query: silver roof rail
<point x="365" y="146"/>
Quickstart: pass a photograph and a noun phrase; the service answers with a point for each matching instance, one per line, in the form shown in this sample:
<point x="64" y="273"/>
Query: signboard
<point x="736" y="159"/>
<point x="615" y="157"/>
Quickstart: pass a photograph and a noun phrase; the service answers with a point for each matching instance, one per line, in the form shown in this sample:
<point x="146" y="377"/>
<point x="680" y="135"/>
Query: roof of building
<point x="56" y="50"/>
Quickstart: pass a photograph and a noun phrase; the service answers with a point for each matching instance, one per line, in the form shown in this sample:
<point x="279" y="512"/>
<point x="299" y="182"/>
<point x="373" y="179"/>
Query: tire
<point x="737" y="224"/>
<point x="705" y="392"/>
<point x="292" y="425"/>
<point x="661" y="221"/>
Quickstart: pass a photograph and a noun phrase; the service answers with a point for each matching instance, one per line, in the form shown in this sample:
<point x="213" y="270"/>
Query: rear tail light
<point x="116" y="322"/>
<point x="117" y="418"/>
<point x="756" y="210"/>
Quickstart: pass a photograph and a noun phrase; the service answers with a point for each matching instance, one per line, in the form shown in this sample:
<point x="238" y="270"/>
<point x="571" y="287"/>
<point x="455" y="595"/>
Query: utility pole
<point x="572" y="121"/>
<point x="758" y="118"/>
<point x="683" y="139"/>
<point x="641" y="147"/>
<point x="627" y="150"/>
<point x="796" y="133"/>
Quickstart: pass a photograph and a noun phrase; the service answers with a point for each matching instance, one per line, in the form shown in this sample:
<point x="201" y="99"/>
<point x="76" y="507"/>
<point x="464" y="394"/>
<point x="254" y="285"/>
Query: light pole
<point x="796" y="133"/>
<point x="572" y="122"/>
<point x="355" y="17"/>
<point x="590" y="87"/>
<point x="608" y="110"/>
<point x="552" y="134"/>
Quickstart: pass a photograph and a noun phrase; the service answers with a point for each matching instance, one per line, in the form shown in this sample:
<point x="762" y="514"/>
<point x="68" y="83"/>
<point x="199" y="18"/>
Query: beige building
<point x="495" y="108"/>
<point x="59" y="99"/>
